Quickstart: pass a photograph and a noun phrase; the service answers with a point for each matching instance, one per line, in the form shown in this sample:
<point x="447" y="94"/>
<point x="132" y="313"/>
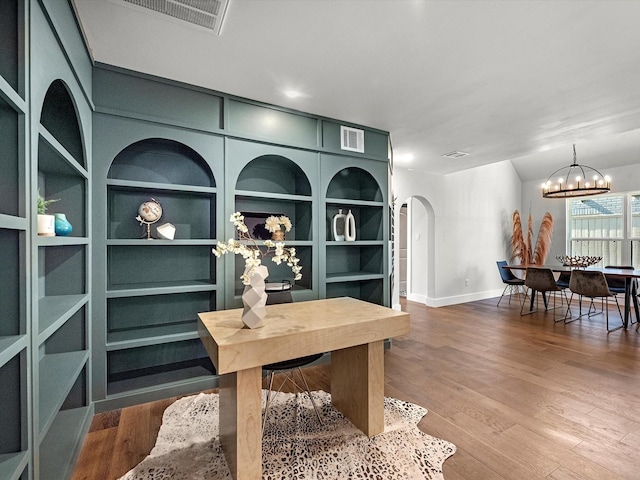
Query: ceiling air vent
<point x="352" y="139"/>
<point x="207" y="14"/>
<point x="455" y="154"/>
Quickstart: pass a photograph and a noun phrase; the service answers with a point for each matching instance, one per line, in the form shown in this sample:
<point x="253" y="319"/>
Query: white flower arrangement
<point x="274" y="224"/>
<point x="247" y="246"/>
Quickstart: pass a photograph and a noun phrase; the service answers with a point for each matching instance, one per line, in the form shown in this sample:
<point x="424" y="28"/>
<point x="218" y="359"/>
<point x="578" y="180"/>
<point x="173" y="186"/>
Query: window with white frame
<point x="606" y="226"/>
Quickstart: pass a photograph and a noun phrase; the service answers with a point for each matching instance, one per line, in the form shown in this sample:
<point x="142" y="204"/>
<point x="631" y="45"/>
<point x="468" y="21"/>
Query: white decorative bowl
<point x="166" y="231"/>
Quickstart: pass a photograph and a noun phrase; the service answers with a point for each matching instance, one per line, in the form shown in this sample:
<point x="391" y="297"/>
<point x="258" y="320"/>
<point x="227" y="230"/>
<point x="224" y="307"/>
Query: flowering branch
<point x="251" y="251"/>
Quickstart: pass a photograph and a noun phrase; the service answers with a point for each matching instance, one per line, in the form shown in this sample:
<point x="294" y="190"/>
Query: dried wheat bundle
<point x="529" y="242"/>
<point x="517" y="240"/>
<point x="543" y="244"/>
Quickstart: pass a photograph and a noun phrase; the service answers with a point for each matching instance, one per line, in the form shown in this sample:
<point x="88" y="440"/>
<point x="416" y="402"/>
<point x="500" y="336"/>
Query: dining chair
<point x="541" y="280"/>
<point x="593" y="285"/>
<point x="289" y="368"/>
<point x="512" y="283"/>
<point x="617" y="284"/>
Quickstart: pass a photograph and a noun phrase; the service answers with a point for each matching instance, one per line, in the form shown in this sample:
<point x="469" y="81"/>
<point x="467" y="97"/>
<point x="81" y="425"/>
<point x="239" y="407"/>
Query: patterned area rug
<point x="295" y="445"/>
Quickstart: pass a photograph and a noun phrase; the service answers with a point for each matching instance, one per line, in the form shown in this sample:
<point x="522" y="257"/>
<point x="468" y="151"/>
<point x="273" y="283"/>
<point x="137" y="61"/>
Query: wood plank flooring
<point x="522" y="398"/>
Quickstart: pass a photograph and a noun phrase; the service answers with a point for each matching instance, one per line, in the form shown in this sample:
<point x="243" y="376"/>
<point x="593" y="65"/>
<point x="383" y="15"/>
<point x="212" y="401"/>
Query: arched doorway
<point x="414" y="250"/>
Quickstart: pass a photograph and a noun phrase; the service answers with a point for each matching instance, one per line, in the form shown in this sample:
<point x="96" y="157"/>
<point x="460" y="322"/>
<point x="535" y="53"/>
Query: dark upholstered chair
<point x="290" y="368"/>
<point x="617" y="285"/>
<point x="592" y="284"/>
<point x="563" y="279"/>
<point x="512" y="283"/>
<point x="541" y="280"/>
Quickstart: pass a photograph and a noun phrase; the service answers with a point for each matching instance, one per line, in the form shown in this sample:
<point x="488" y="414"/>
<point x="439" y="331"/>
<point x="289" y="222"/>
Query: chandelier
<point x="575" y="181"/>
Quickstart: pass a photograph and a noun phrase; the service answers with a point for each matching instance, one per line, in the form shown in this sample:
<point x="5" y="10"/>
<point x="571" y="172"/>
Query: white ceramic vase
<point x="254" y="299"/>
<point x="350" y="227"/>
<point x="338" y="226"/>
<point x="46" y="225"/>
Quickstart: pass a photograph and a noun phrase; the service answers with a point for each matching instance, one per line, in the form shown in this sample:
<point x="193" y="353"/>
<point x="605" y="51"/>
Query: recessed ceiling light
<point x="455" y="154"/>
<point x="403" y="158"/>
<point x="292" y="93"/>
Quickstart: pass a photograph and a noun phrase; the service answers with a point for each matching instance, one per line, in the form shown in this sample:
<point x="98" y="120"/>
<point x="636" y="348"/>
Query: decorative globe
<point x="150" y="211"/>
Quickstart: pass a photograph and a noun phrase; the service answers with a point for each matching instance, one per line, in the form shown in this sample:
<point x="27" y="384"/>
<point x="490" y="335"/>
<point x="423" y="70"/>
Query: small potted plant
<point x="46" y="223"/>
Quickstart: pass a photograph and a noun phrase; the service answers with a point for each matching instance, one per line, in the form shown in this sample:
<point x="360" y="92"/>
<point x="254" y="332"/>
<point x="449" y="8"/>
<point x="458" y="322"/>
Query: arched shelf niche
<point x="355" y="189"/>
<point x="175" y="175"/>
<point x="274" y="174"/>
<point x="159" y="160"/>
<point x="356" y="268"/>
<point x="155" y="288"/>
<point x="354" y="183"/>
<point x="276" y="185"/>
<point x="59" y="118"/>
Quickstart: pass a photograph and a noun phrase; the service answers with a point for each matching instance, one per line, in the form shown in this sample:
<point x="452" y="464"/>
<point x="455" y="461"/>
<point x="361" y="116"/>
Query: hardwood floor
<point x="522" y="398"/>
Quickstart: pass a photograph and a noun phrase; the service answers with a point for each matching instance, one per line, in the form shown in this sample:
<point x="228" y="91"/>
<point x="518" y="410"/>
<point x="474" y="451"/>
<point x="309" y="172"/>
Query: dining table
<point x="629" y="275"/>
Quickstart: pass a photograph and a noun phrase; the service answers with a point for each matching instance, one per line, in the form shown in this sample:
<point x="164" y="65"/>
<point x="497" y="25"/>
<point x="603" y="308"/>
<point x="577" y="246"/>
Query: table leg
<point x="357" y="385"/>
<point x="627" y="301"/>
<point x="240" y="422"/>
<point x="634" y="296"/>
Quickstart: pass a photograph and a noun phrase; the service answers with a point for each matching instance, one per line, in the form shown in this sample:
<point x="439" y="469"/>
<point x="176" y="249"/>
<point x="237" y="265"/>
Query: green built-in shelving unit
<point x="104" y="318"/>
<point x="15" y="348"/>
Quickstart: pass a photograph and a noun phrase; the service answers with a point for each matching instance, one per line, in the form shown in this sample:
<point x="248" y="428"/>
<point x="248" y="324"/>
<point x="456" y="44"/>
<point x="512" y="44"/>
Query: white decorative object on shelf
<point x="254" y="298"/>
<point x="339" y="225"/>
<point x="46" y="225"/>
<point x="45" y="222"/>
<point x="350" y="227"/>
<point x="166" y="231"/>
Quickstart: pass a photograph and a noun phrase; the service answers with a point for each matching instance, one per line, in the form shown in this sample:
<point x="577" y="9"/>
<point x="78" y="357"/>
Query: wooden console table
<point x="352" y="330"/>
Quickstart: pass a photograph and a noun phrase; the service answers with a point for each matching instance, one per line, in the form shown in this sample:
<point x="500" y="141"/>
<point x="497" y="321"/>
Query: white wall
<point x="469" y="228"/>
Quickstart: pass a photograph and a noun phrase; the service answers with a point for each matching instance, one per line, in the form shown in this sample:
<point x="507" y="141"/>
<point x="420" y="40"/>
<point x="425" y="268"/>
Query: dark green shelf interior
<point x="12" y="415"/>
<point x="62" y="270"/>
<point x="11" y="179"/>
<point x="53" y="308"/>
<point x="354" y="183"/>
<point x="130" y="318"/>
<point x="154" y="365"/>
<point x="58" y="116"/>
<point x="70" y="337"/>
<point x="12" y="293"/>
<point x="367" y="290"/>
<point x="368" y="220"/>
<point x="10" y="39"/>
<point x="154" y="263"/>
<point x="256" y="210"/>
<point x="348" y="257"/>
<point x="273" y="174"/>
<point x="161" y="161"/>
<point x="68" y="189"/>
<point x="193" y="215"/>
<point x="61" y="442"/>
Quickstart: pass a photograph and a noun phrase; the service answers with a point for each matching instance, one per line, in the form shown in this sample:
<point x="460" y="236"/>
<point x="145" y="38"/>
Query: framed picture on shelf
<point x="255" y="222"/>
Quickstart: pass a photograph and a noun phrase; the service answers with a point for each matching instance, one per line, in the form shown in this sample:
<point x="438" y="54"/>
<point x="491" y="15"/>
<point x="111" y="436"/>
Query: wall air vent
<point x="352" y="139"/>
<point x="455" y="154"/>
<point x="207" y="14"/>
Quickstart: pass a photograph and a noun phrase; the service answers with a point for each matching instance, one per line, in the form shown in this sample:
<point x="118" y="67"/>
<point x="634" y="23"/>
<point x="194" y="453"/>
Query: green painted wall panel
<point x="272" y="124"/>
<point x="64" y="22"/>
<point x="144" y="98"/>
